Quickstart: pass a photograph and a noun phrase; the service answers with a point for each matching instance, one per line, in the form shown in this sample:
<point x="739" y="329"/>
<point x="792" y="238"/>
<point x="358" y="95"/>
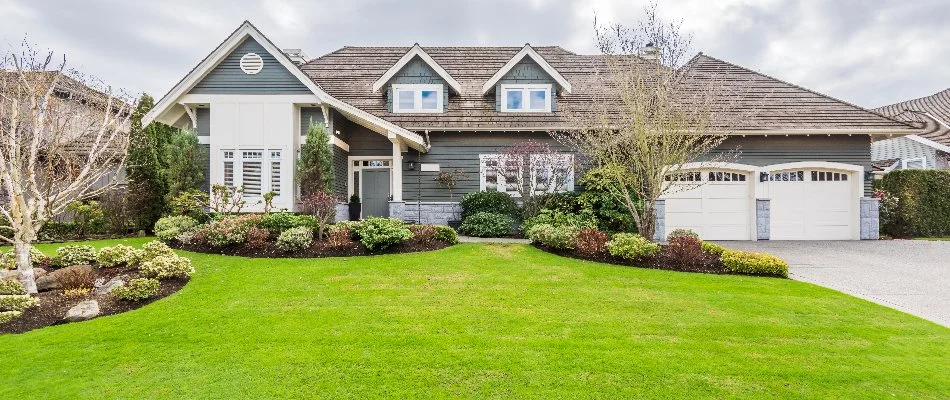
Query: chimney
<point x="650" y="52"/>
<point x="296" y="55"/>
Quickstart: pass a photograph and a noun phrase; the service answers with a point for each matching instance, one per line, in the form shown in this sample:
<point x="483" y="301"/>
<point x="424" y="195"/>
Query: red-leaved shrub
<point x="257" y="237"/>
<point x="423" y="233"/>
<point x="339" y="237"/>
<point x="321" y="205"/>
<point x="685" y="250"/>
<point x="591" y="241"/>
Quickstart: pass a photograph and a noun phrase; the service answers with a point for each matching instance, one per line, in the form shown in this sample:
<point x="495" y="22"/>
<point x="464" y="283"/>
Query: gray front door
<point x="375" y="193"/>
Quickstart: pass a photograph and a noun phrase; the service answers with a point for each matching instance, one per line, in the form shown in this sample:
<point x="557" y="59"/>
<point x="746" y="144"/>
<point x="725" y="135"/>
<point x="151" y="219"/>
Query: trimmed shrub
<point x="591" y="241"/>
<point x="229" y="231"/>
<point x="742" y="262"/>
<point x="76" y="254"/>
<point x="446" y="234"/>
<point x="491" y="202"/>
<point x="559" y="218"/>
<point x="713" y="248"/>
<point x="380" y="233"/>
<point x="682" y="233"/>
<point x="168" y="228"/>
<point x="923" y="205"/>
<point x="339" y="236"/>
<point x="685" y="250"/>
<point x="117" y="255"/>
<point x="154" y="249"/>
<point x="631" y="246"/>
<point x="75" y="277"/>
<point x="278" y="222"/>
<point x="10" y="286"/>
<point x="7" y="316"/>
<point x="8" y="259"/>
<point x="136" y="289"/>
<point x="257" y="237"/>
<point x="423" y="233"/>
<point x="295" y="239"/>
<point x="163" y="267"/>
<point x="16" y="302"/>
<point x="487" y="224"/>
<point x="558" y="237"/>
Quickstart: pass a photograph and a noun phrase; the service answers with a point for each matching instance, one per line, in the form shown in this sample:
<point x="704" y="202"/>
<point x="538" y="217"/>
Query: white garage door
<point x="717" y="205"/>
<point x="812" y="205"/>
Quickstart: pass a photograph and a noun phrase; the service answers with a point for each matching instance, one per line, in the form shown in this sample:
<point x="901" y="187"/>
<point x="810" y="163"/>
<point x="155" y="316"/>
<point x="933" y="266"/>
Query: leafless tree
<point x="531" y="168"/>
<point x="63" y="137"/>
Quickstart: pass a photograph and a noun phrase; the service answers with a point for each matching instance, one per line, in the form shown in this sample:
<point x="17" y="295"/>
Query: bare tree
<point x="652" y="113"/>
<point x="531" y="168"/>
<point x="63" y="137"/>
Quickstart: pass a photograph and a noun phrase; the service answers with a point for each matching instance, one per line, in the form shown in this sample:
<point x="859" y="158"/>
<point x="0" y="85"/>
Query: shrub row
<point x="923" y="203"/>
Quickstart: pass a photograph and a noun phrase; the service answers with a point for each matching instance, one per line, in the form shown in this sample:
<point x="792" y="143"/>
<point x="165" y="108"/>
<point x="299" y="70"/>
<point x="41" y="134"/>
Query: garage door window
<point x="823" y="176"/>
<point x="684" y="177"/>
<point x="788" y="176"/>
<point x="726" y="177"/>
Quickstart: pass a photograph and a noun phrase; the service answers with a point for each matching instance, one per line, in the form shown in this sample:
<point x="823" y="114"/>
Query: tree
<point x="315" y="165"/>
<point x="532" y="168"/>
<point x="61" y="136"/>
<point x="185" y="162"/>
<point x="147" y="187"/>
<point x="654" y="114"/>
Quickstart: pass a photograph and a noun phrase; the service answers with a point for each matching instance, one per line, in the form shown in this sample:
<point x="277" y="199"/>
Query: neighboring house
<point x="929" y="149"/>
<point x="399" y="115"/>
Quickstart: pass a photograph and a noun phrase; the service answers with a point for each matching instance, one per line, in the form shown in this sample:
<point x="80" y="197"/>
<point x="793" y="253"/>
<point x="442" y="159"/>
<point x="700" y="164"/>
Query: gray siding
<point x="365" y="142"/>
<point x="527" y="72"/>
<point x="417" y="72"/>
<point x="904" y="148"/>
<point x="227" y="77"/>
<point x="308" y="114"/>
<point x="339" y="173"/>
<point x="204" y="121"/>
<point x="206" y="179"/>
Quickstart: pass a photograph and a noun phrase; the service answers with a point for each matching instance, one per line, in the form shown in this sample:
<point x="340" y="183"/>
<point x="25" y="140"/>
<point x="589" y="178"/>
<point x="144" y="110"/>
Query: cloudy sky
<point x="869" y="52"/>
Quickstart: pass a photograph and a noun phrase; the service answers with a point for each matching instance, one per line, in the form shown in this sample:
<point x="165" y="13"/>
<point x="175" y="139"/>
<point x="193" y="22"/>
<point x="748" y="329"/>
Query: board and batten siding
<point x="228" y="78"/>
<point x="526" y="72"/>
<point x="416" y="72"/>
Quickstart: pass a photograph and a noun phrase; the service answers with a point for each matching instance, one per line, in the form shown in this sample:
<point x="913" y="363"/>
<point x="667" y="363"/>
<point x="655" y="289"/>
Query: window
<point x="251" y="172"/>
<point x="789" y="176"/>
<point x="275" y="171"/>
<point x="914" y="163"/>
<point x="684" y="177"/>
<point x="825" y="176"/>
<point x="552" y="173"/>
<point x="257" y="171"/>
<point x="493" y="176"/>
<point x="526" y="98"/>
<point x="417" y="98"/>
<point x="229" y="168"/>
<point x="726" y="177"/>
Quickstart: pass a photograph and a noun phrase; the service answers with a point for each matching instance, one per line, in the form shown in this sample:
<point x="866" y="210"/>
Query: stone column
<point x="659" y="235"/>
<point x="763" y="218"/>
<point x="870" y="218"/>
<point x="397" y="209"/>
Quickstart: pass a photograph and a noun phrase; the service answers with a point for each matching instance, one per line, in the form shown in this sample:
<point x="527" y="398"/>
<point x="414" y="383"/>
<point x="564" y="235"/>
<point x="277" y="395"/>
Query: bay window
<point x="418" y="99"/>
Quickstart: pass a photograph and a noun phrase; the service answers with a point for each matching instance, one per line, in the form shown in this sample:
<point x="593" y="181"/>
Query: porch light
<point x="412" y="164"/>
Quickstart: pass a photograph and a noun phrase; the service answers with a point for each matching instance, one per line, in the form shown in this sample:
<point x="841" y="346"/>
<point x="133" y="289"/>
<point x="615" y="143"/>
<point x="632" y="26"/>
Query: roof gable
<point x="527" y="51"/>
<point x="416" y="52"/>
<point x="228" y="78"/>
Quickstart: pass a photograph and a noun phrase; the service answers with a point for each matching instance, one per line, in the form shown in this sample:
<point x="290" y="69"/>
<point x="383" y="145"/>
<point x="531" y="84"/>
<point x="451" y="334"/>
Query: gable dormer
<point x="417" y="84"/>
<point x="250" y="69"/>
<point x="526" y="83"/>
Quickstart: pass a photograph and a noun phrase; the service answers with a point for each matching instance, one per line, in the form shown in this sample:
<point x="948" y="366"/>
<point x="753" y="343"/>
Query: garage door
<point x="715" y="204"/>
<point x="812" y="205"/>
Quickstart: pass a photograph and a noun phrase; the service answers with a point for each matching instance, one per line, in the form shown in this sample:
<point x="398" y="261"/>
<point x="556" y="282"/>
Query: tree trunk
<point x="25" y="265"/>
<point x="647" y="224"/>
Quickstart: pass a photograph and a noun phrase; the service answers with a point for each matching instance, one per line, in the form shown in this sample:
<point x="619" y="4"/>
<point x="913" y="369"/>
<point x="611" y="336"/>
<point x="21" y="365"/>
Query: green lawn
<point x="481" y="321"/>
<point x="934" y="238"/>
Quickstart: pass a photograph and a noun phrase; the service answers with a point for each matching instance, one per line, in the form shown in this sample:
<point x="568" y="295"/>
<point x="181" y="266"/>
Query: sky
<point x="867" y="52"/>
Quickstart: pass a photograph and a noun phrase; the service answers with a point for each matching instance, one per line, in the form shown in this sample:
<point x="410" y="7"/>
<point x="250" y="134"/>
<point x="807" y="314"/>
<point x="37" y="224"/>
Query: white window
<point x="229" y="168"/>
<point x="526" y="98"/>
<point x="252" y="172"/>
<point x="914" y="163"/>
<point x="496" y="177"/>
<point x="417" y="99"/>
<point x="552" y="173"/>
<point x="275" y="171"/>
<point x="257" y="171"/>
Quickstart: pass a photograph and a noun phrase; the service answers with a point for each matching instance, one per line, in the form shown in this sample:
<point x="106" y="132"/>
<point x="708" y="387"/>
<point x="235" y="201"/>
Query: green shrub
<point x="487" y="224"/>
<point x="8" y="258"/>
<point x="295" y="239"/>
<point x="163" y="267"/>
<point x="923" y="205"/>
<point x="446" y="234"/>
<point x="609" y="210"/>
<point x="169" y="228"/>
<point x="682" y="233"/>
<point x="16" y="302"/>
<point x="631" y="246"/>
<point x="559" y="218"/>
<point x="192" y="203"/>
<point x="229" y="230"/>
<point x="380" y="233"/>
<point x="713" y="248"/>
<point x="492" y="202"/>
<point x="154" y="249"/>
<point x="351" y="226"/>
<point x="10" y="286"/>
<point x="7" y="316"/>
<point x="117" y="255"/>
<point x="742" y="262"/>
<point x="136" y="289"/>
<point x="558" y="237"/>
<point x="54" y="231"/>
<point x="76" y="254"/>
<point x="565" y="202"/>
<point x="278" y="222"/>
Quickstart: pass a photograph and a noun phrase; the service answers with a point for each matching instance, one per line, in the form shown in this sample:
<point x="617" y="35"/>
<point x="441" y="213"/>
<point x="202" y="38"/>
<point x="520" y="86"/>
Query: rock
<point x="47" y="282"/>
<point x="113" y="283"/>
<point x="39" y="272"/>
<point x="80" y="312"/>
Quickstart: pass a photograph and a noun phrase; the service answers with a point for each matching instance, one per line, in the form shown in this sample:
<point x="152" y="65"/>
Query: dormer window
<point x="418" y="99"/>
<point x="526" y="98"/>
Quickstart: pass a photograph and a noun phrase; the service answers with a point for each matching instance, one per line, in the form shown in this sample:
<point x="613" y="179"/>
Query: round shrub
<point x="163" y="267"/>
<point x="446" y="234"/>
<point x="591" y="241"/>
<point x="685" y="250"/>
<point x="75" y="277"/>
<point x="742" y="262"/>
<point x="295" y="239"/>
<point x="10" y="286"/>
<point x="8" y="258"/>
<point x="276" y="223"/>
<point x="492" y="202"/>
<point x="713" y="248"/>
<point x="631" y="246"/>
<point x="7" y="316"/>
<point x="558" y="237"/>
<point x="422" y="233"/>
<point x="16" y="302"/>
<point x="117" y="255"/>
<point x="380" y="233"/>
<point x="559" y="218"/>
<point x="153" y="249"/>
<point x="487" y="224"/>
<point x="168" y="228"/>
<point x="682" y="233"/>
<point x="136" y="289"/>
<point x="76" y="254"/>
<point x="228" y="231"/>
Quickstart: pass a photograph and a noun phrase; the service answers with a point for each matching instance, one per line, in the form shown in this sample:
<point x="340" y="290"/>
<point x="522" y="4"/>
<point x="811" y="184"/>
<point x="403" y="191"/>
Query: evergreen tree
<point x="315" y="166"/>
<point x="185" y="160"/>
<point x="147" y="188"/>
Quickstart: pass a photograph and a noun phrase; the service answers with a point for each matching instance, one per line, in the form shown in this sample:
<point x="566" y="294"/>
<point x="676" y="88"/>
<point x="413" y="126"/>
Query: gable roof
<point x="417" y="51"/>
<point x="527" y="51"/>
<point x="932" y="112"/>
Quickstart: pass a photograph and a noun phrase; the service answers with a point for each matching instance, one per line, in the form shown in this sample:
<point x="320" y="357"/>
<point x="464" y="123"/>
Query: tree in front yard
<point x="147" y="187"/>
<point x="63" y="137"/>
<point x="532" y="168"/>
<point x="185" y="160"/>
<point x="315" y="165"/>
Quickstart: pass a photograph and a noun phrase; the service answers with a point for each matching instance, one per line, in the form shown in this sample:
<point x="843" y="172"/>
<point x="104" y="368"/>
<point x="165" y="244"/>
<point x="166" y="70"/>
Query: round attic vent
<point x="251" y="63"/>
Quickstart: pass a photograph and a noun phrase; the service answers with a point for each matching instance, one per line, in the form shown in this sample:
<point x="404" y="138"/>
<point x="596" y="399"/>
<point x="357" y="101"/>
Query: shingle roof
<point x="348" y="74"/>
<point x="923" y="111"/>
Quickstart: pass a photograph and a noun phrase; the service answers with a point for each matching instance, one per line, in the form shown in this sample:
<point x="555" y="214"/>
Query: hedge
<point x="923" y="207"/>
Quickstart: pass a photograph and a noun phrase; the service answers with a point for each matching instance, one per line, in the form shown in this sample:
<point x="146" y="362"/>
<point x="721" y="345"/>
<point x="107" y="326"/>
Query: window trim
<point x="922" y="160"/>
<point x="482" y="169"/>
<point x="417" y="90"/>
<point x="237" y="160"/>
<point x="526" y="90"/>
<point x="568" y="183"/>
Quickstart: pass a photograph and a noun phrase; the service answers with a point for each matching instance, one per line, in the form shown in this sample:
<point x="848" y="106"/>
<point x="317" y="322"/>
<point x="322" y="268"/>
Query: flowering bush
<point x="117" y="255"/>
<point x="136" y="289"/>
<point x="10" y="286"/>
<point x="169" y="228"/>
<point x="7" y="316"/>
<point x="76" y="255"/>
<point x="591" y="241"/>
<point x="295" y="239"/>
<point x="685" y="250"/>
<point x="228" y="231"/>
<point x="166" y="266"/>
<point x="380" y="233"/>
<point x="487" y="224"/>
<point x="152" y="250"/>
<point x="16" y="302"/>
<point x="631" y="246"/>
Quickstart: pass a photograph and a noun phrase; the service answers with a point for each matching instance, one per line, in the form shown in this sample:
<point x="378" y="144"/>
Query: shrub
<point x="609" y="210"/>
<point x="487" y="224"/>
<point x="322" y="206"/>
<point x="559" y="218"/>
<point x="77" y="292"/>
<point x="54" y="231"/>
<point x="339" y="236"/>
<point x="295" y="239"/>
<point x="152" y="250"/>
<point x="117" y="255"/>
<point x="446" y="234"/>
<point x="558" y="237"/>
<point x="193" y="204"/>
<point x="685" y="250"/>
<point x="681" y="233"/>
<point x="923" y="205"/>
<point x="228" y="231"/>
<point x="7" y="316"/>
<point x="16" y="302"/>
<point x="75" y="277"/>
<point x="278" y="222"/>
<point x="168" y="228"/>
<point x="380" y="233"/>
<point x="631" y="246"/>
<point x="351" y="226"/>
<point x="87" y="216"/>
<point x="166" y="266"/>
<point x="565" y="202"/>
<point x="257" y="237"/>
<point x="8" y="258"/>
<point x="136" y="289"/>
<point x="742" y="262"/>
<point x="10" y="286"/>
<point x="76" y="254"/>
<point x="492" y="202"/>
<point x="591" y="241"/>
<point x="713" y="248"/>
<point x="423" y="233"/>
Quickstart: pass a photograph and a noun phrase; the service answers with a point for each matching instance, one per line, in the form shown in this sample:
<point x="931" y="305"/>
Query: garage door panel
<point x="714" y="210"/>
<point x="812" y="210"/>
<point x="727" y="204"/>
<point x="684" y="204"/>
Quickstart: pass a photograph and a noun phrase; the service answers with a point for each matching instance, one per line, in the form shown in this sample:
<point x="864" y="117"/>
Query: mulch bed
<point x="319" y="249"/>
<point x="709" y="265"/>
<point x="51" y="306"/>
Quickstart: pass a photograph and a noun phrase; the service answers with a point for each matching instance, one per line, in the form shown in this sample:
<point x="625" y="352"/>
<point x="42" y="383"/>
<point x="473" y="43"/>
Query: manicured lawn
<point x="934" y="238"/>
<point x="481" y="321"/>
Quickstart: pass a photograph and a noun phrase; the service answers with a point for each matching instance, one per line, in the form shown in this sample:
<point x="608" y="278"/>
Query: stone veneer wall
<point x="433" y="213"/>
<point x="659" y="234"/>
<point x="342" y="212"/>
<point x="870" y="219"/>
<point x="763" y="221"/>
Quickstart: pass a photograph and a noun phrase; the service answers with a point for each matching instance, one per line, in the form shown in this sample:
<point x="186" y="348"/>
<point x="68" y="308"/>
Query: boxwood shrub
<point x="631" y="246"/>
<point x="742" y="262"/>
<point x="295" y="239"/>
<point x="923" y="207"/>
<point x="492" y="202"/>
<point x="380" y="233"/>
<point x="558" y="237"/>
<point x="487" y="224"/>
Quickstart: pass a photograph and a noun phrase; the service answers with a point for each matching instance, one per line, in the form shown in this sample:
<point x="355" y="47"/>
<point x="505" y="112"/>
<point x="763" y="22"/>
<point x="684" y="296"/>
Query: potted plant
<point x="355" y="207"/>
<point x="449" y="180"/>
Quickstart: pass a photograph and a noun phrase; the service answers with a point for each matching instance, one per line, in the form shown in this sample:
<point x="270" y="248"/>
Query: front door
<point x="375" y="190"/>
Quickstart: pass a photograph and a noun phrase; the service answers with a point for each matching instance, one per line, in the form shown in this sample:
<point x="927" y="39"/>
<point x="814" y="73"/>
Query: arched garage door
<point x="813" y="204"/>
<point x="716" y="204"/>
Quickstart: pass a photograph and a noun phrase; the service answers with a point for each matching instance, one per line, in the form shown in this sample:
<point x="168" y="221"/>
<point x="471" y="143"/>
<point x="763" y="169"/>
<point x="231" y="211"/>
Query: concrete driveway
<point x="908" y="275"/>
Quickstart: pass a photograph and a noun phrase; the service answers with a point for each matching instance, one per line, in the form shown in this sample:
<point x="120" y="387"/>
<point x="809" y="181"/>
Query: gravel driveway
<point x="908" y="275"/>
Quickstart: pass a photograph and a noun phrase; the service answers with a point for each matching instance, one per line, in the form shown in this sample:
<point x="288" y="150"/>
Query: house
<point x="399" y="115"/>
<point x="929" y="149"/>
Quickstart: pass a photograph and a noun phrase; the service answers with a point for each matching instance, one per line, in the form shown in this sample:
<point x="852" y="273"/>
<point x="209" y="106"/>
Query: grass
<point x="481" y="321"/>
<point x="934" y="238"/>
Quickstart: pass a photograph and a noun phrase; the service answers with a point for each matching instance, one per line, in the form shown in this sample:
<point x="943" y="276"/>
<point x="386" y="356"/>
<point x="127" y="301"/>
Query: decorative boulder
<point x="47" y="282"/>
<point x="80" y="312"/>
<point x="10" y="274"/>
<point x="113" y="283"/>
<point x="39" y="272"/>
